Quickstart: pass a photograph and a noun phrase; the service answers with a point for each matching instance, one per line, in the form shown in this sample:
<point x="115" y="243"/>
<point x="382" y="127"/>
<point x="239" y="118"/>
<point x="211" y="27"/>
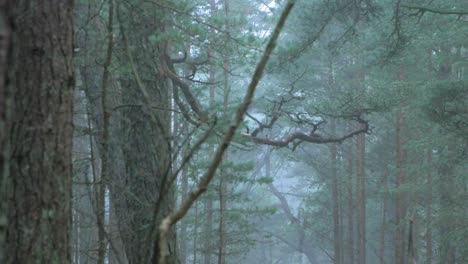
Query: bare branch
<point x="192" y="101"/>
<point x="421" y="10"/>
<point x="310" y="137"/>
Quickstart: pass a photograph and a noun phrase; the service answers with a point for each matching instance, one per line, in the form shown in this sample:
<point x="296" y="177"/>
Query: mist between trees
<point x="234" y="131"/>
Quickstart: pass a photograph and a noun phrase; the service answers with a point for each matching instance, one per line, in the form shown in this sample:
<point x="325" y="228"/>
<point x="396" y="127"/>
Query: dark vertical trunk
<point x="141" y="196"/>
<point x="41" y="134"/>
<point x="7" y="69"/>
<point x="102" y="250"/>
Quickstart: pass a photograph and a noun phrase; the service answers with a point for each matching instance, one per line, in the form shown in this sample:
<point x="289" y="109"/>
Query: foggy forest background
<point x="234" y="131"/>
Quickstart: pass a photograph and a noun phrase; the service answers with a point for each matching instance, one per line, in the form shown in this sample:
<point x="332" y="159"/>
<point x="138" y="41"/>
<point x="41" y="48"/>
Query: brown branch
<point x="310" y="137"/>
<point x="192" y="101"/>
<point x="202" y="186"/>
<point x="421" y="10"/>
<point x="182" y="107"/>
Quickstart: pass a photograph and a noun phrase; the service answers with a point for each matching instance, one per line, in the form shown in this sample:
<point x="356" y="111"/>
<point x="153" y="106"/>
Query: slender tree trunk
<point x="7" y="68"/>
<point x="105" y="140"/>
<point x="337" y="236"/>
<point x="399" y="196"/>
<point x="350" y="219"/>
<point x="360" y="189"/>
<point x="195" y="236"/>
<point x="384" y="217"/>
<point x="183" y="252"/>
<point x="209" y="201"/>
<point x="429" y="201"/>
<point x="223" y="183"/>
<point x="429" y="197"/>
<point x="41" y="134"/>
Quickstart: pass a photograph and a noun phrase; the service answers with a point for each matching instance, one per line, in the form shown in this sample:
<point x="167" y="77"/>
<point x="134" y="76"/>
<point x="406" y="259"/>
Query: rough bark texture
<point x="41" y="134"/>
<point x="146" y="142"/>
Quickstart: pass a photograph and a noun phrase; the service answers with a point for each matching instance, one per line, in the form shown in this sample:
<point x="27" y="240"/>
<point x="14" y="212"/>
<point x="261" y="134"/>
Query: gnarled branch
<point x="311" y="137"/>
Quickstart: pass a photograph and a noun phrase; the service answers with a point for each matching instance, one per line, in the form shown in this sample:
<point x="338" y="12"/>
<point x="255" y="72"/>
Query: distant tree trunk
<point x="429" y="201"/>
<point x="41" y="134"/>
<point x="399" y="196"/>
<point x="446" y="181"/>
<point x="208" y="209"/>
<point x="429" y="197"/>
<point x="7" y="69"/>
<point x="223" y="183"/>
<point x="183" y="252"/>
<point x="447" y="222"/>
<point x="350" y="219"/>
<point x="384" y="217"/>
<point x="195" y="235"/>
<point x="337" y="236"/>
<point x="105" y="140"/>
<point x="361" y="196"/>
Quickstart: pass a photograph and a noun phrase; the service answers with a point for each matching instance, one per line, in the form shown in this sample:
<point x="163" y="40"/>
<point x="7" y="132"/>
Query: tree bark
<point x="6" y="109"/>
<point x="41" y="134"/>
<point x="145" y="140"/>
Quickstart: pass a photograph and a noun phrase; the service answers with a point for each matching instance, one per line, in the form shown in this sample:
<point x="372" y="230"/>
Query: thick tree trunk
<point x="41" y="134"/>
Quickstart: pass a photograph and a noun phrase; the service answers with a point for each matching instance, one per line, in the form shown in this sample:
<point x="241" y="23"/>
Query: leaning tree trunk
<point x="41" y="134"/>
